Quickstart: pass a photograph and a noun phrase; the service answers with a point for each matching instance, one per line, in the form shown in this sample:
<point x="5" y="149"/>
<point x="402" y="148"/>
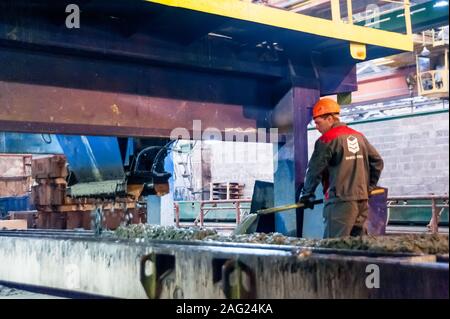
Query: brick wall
<point x="229" y="162"/>
<point x="415" y="151"/>
<point x="242" y="163"/>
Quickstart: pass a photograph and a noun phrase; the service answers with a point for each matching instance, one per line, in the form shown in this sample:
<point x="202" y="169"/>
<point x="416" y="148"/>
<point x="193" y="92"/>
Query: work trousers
<point x="345" y="218"/>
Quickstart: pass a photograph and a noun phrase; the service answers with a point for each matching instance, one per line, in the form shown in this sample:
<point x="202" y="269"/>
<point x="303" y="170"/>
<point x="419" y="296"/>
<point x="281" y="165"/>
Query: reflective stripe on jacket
<point x="346" y="163"/>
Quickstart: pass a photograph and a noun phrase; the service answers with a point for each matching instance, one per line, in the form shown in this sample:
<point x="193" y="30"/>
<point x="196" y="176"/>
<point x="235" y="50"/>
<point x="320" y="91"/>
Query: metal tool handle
<point x="286" y="207"/>
<point x="300" y="205"/>
<point x="377" y="191"/>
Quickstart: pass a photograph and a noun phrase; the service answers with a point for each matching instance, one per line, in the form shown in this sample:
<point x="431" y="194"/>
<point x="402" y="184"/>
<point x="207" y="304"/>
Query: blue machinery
<point x="94" y="159"/>
<point x="120" y="162"/>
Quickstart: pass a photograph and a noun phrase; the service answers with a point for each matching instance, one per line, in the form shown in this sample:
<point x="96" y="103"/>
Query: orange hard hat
<point x="325" y="106"/>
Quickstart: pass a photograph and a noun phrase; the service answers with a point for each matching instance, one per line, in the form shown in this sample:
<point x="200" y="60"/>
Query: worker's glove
<point x="308" y="200"/>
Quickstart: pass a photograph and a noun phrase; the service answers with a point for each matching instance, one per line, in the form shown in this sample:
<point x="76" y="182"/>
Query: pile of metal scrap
<point x="411" y="243"/>
<point x="145" y="231"/>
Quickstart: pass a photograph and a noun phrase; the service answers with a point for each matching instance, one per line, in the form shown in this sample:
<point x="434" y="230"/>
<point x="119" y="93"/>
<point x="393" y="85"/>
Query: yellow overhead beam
<point x="294" y="21"/>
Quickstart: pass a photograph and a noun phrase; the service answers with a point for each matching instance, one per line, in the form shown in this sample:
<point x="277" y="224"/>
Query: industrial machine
<point x="107" y="167"/>
<point x="107" y="182"/>
<point x="77" y="177"/>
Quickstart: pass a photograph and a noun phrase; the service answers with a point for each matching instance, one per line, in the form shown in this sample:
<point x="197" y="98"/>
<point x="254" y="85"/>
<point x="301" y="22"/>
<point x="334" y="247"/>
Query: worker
<point x="349" y="168"/>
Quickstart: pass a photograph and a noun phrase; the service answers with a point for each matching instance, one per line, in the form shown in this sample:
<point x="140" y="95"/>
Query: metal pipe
<point x="201" y="215"/>
<point x="434" y="218"/>
<point x="219" y="208"/>
<point x="408" y="24"/>
<point x="416" y="206"/>
<point x="335" y="11"/>
<point x="417" y="197"/>
<point x="349" y="12"/>
<point x="238" y="213"/>
<point x="225" y="201"/>
<point x="177" y="214"/>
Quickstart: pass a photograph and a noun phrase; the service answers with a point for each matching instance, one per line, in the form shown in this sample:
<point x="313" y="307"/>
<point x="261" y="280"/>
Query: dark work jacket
<point x="346" y="163"/>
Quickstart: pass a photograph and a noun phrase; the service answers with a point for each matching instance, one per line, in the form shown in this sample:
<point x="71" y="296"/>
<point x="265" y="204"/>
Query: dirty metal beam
<point x="42" y="28"/>
<point x="47" y="109"/>
<point x="116" y="269"/>
<point x="131" y="32"/>
<point x="44" y="93"/>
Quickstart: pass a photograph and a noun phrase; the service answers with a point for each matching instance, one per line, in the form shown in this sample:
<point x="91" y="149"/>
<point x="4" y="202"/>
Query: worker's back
<point x="349" y="168"/>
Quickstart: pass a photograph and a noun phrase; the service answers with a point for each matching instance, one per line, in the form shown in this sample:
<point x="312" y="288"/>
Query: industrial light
<point x="425" y="52"/>
<point x="441" y="3"/>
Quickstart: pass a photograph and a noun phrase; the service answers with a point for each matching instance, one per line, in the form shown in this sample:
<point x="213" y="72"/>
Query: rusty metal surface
<point x="92" y="97"/>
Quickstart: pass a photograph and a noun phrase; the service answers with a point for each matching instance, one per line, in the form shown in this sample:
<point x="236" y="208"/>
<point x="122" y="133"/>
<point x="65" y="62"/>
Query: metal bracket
<point x="358" y="51"/>
<point x="154" y="269"/>
<point x="238" y="280"/>
<point x="97" y="220"/>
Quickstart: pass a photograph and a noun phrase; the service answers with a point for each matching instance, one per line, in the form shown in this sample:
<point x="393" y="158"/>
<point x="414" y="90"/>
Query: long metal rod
<point x="416" y="206"/>
<point x="418" y="197"/>
<point x="434" y="222"/>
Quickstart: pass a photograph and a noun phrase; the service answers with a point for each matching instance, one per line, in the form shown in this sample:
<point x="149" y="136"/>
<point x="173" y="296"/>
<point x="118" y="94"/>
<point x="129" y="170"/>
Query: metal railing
<point x="433" y="82"/>
<point x="346" y="11"/>
<point x="214" y="205"/>
<point x="437" y="205"/>
<point x="433" y="37"/>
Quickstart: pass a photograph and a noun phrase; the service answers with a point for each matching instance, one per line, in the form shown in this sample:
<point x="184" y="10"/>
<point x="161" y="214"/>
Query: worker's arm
<point x="317" y="164"/>
<point x="376" y="165"/>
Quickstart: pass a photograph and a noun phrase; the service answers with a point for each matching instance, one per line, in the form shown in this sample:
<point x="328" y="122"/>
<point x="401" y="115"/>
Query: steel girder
<point x="125" y="269"/>
<point x="127" y="72"/>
